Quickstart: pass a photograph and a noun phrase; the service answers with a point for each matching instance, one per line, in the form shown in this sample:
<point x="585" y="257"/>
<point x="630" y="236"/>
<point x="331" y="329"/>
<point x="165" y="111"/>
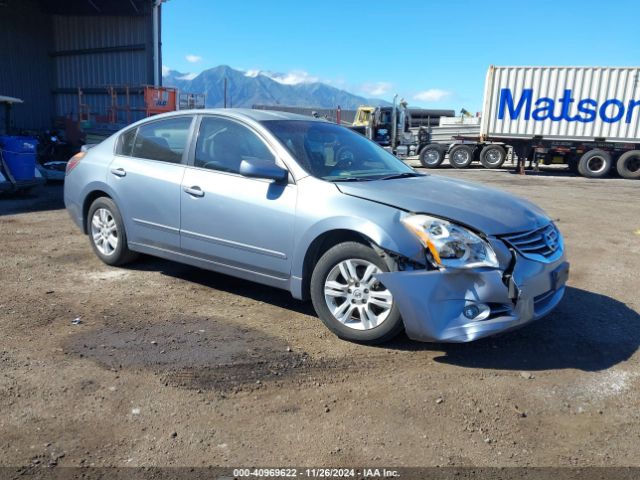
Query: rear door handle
<point x="194" y="191"/>
<point x="118" y="172"/>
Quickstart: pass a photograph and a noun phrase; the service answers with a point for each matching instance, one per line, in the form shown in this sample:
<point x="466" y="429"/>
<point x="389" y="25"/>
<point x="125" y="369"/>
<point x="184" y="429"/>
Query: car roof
<point x="246" y="113"/>
<point x="262" y="115"/>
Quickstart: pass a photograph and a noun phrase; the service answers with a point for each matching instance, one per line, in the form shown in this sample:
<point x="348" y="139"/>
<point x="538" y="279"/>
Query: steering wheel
<point x="345" y="158"/>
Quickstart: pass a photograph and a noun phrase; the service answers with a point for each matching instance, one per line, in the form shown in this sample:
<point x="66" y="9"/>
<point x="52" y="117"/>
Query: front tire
<point x="431" y="156"/>
<point x="348" y="299"/>
<point x="106" y="233"/>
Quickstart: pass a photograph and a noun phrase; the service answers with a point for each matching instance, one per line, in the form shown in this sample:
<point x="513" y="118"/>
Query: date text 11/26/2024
<point x="315" y="473"/>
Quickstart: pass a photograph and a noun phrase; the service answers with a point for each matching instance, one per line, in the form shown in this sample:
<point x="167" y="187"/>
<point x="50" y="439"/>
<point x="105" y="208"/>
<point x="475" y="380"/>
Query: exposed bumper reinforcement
<point x="432" y="302"/>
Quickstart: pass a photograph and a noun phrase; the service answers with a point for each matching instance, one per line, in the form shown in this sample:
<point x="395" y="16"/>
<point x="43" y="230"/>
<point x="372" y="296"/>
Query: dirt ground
<point x="172" y="365"/>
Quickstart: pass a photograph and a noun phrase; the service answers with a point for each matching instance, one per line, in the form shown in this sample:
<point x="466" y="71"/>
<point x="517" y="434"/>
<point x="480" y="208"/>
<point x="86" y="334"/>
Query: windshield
<point x="334" y="153"/>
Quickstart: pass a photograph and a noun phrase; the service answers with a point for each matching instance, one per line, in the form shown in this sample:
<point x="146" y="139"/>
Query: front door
<point x="243" y="224"/>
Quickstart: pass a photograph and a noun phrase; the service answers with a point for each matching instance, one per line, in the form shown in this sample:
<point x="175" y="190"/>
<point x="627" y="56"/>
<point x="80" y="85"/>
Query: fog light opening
<point x="476" y="311"/>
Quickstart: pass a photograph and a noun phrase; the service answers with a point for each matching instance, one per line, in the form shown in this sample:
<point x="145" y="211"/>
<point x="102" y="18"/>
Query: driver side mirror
<point x="261" y="168"/>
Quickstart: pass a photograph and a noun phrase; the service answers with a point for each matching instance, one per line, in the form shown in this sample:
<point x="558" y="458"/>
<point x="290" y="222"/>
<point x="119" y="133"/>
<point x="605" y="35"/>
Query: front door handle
<point x="194" y="191"/>
<point x="118" y="172"/>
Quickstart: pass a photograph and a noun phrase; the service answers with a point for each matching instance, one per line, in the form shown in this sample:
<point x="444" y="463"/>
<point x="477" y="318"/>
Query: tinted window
<point x="223" y="144"/>
<point x="164" y="140"/>
<point x="335" y="153"/>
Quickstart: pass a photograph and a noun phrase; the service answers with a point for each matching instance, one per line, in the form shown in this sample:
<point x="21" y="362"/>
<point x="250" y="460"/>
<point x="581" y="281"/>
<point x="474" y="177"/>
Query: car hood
<point x="487" y="210"/>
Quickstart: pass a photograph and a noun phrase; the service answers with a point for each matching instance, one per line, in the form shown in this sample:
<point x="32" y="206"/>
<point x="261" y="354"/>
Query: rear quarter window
<point x="125" y="144"/>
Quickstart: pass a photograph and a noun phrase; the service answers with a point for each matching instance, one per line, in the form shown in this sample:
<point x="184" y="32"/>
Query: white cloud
<point x="294" y="77"/>
<point x="191" y="58"/>
<point x="188" y="76"/>
<point x="165" y="70"/>
<point x="432" y="95"/>
<point x="376" y="88"/>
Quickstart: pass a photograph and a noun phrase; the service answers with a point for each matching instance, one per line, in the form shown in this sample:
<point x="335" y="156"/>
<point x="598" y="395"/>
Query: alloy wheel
<point x="354" y="297"/>
<point x="104" y="231"/>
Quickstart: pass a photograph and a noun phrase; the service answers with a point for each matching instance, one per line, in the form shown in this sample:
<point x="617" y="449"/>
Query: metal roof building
<point x="50" y="48"/>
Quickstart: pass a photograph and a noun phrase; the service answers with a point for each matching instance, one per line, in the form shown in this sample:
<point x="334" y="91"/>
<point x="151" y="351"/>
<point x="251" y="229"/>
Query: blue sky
<point x="433" y="54"/>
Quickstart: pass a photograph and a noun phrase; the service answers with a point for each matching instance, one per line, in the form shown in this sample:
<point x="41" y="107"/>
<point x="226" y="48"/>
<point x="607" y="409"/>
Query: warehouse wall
<point x="92" y="52"/>
<point x="25" y="65"/>
<point x="45" y="55"/>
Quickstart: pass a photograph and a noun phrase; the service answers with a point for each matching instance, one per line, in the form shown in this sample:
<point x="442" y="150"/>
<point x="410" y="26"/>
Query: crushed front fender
<point x="432" y="303"/>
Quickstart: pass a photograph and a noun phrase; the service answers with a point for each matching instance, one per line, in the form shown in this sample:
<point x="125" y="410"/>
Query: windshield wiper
<point x="352" y="179"/>
<point x="401" y="175"/>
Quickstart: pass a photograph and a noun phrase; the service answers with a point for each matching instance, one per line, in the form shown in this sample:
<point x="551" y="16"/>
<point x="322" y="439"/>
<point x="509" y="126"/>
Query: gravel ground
<point x="169" y="365"/>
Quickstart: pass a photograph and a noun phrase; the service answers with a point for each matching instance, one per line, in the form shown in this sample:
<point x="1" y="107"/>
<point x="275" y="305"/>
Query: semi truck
<point x="398" y="128"/>
<point x="585" y="117"/>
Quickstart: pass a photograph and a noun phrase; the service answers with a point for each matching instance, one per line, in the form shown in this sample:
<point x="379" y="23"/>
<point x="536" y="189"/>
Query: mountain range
<point x="245" y="89"/>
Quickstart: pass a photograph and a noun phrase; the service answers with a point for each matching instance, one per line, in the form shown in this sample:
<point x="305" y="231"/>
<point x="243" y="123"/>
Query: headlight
<point x="451" y="245"/>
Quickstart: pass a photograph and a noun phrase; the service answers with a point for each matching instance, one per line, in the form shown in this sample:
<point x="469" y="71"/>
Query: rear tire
<point x="493" y="156"/>
<point x="431" y="156"/>
<point x="106" y="233"/>
<point x="461" y="156"/>
<point x="595" y="164"/>
<point x="342" y="289"/>
<point x="628" y="165"/>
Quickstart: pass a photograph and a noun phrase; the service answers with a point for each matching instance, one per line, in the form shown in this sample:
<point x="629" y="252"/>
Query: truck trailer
<point x="585" y="117"/>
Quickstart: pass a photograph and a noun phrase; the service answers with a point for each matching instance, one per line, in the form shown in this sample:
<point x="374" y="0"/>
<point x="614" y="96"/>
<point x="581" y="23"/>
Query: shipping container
<point x="585" y="117"/>
<point x="569" y="103"/>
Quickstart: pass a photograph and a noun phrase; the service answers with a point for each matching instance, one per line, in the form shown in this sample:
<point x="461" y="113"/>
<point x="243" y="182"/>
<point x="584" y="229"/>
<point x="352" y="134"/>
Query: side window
<point x="223" y="144"/>
<point x="126" y="142"/>
<point x="164" y="140"/>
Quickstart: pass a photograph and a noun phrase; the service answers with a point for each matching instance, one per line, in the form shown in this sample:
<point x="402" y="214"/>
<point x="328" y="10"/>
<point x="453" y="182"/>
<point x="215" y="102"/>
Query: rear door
<point x="146" y="175"/>
<point x="245" y="224"/>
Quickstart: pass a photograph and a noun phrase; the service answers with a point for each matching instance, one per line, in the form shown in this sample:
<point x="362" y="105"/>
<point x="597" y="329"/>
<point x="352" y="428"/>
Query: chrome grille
<point x="541" y="244"/>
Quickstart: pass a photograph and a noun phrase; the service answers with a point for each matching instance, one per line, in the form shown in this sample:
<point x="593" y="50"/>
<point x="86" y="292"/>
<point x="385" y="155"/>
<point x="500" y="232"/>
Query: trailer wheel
<point x="431" y="156"/>
<point x="493" y="156"/>
<point x="594" y="164"/>
<point x="629" y="165"/>
<point x="461" y="156"/>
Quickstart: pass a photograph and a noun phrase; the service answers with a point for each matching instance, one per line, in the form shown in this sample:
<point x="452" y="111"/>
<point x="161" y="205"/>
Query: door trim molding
<point x="157" y="226"/>
<point x="231" y="243"/>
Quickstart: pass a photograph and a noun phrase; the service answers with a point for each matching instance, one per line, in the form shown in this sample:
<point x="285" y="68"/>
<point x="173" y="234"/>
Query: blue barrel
<point x="19" y="154"/>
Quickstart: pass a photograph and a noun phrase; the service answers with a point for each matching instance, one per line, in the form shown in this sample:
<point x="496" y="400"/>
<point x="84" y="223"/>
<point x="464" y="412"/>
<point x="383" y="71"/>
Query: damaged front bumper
<point x="432" y="303"/>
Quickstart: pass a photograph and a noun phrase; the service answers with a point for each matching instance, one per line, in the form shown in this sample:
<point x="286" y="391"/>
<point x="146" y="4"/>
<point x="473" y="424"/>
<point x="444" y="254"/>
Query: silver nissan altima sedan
<point x="313" y="208"/>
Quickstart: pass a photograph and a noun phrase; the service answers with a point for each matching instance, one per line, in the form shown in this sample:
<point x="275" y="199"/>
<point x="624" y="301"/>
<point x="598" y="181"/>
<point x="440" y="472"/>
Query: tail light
<point x="74" y="161"/>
